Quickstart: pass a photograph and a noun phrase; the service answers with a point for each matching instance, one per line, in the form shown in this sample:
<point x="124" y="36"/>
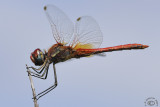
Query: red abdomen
<point x="114" y="48"/>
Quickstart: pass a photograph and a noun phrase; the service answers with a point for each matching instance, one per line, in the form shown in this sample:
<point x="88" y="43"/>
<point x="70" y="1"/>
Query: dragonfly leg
<point x="50" y="88"/>
<point x="40" y="68"/>
<point x="41" y="76"/>
<point x="45" y="68"/>
<point x="38" y="74"/>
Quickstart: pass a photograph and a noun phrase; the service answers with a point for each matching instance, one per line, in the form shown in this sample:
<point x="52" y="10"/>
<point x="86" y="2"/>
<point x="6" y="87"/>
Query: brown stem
<point x="33" y="89"/>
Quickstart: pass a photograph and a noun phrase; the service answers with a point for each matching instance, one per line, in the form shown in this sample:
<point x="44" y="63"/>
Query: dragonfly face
<point x="37" y="57"/>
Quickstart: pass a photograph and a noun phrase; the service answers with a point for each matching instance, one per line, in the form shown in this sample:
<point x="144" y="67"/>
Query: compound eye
<point x="38" y="52"/>
<point x="32" y="58"/>
<point x="37" y="57"/>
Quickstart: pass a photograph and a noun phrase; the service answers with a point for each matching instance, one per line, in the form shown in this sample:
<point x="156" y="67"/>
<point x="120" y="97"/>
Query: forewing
<point x="61" y="25"/>
<point x="87" y="34"/>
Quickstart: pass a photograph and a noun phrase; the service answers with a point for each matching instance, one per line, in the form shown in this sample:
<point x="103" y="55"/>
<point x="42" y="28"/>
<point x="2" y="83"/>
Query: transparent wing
<point x="87" y="34"/>
<point x="62" y="27"/>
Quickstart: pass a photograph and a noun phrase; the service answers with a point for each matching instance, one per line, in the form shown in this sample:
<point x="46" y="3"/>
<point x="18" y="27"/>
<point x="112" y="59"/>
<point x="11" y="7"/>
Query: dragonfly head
<point x="37" y="57"/>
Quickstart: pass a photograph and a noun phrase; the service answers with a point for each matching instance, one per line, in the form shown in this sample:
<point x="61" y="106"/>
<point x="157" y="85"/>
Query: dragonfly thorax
<point x="37" y="57"/>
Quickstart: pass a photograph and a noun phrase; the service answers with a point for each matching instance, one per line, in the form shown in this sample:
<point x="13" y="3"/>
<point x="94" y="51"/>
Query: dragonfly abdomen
<point x="114" y="48"/>
<point x="123" y="47"/>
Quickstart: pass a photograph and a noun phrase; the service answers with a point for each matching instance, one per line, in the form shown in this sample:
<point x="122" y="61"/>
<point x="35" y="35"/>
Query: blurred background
<point x="121" y="79"/>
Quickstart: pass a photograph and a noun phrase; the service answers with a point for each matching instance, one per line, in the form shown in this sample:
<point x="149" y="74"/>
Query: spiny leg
<point x="51" y="87"/>
<point x="44" y="73"/>
<point x="38" y="74"/>
<point x="40" y="68"/>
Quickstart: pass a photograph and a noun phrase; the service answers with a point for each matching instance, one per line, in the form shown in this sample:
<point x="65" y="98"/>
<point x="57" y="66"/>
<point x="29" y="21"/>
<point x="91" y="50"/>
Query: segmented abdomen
<point x="114" y="48"/>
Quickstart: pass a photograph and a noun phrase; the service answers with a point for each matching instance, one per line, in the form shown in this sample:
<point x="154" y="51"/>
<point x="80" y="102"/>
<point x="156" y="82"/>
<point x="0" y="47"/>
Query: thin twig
<point x="33" y="89"/>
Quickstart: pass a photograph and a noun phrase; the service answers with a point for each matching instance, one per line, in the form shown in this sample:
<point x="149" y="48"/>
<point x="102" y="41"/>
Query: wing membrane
<point x="87" y="34"/>
<point x="62" y="27"/>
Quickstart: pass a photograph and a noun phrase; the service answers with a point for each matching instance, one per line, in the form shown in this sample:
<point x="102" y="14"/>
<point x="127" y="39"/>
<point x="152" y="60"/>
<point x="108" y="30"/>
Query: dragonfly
<point x="72" y="41"/>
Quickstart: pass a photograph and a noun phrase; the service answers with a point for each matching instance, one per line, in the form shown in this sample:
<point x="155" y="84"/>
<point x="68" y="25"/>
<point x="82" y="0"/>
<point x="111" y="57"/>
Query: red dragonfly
<point x="73" y="41"/>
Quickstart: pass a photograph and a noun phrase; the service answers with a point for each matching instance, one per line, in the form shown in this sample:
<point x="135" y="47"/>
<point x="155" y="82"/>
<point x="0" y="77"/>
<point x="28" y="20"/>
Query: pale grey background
<point x="121" y="79"/>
